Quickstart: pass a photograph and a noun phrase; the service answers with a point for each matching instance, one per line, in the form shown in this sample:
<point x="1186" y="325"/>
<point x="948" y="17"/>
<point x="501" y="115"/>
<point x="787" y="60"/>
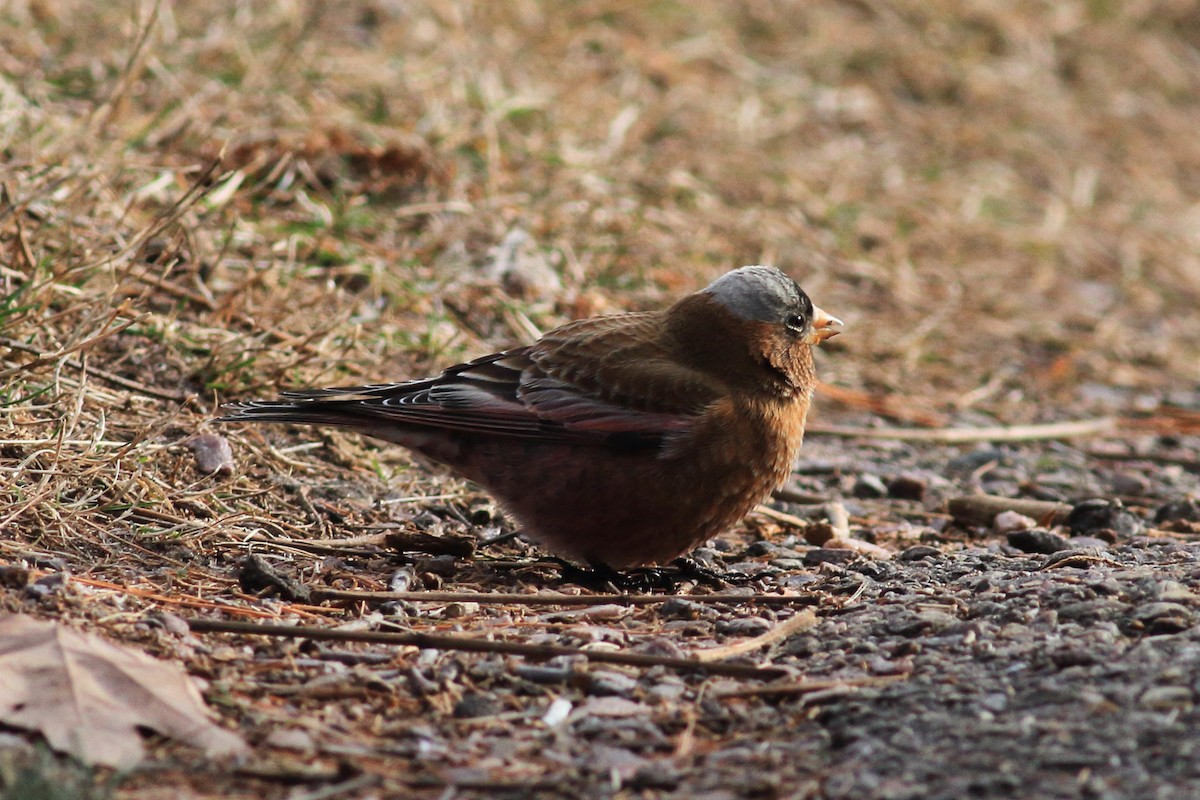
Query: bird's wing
<point x="598" y="384"/>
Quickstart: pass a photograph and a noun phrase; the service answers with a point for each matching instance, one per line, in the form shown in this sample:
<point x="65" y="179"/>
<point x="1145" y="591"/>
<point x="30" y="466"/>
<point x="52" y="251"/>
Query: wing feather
<point x="591" y="381"/>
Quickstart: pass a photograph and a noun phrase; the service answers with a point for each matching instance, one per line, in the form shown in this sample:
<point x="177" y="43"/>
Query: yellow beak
<point x="825" y="326"/>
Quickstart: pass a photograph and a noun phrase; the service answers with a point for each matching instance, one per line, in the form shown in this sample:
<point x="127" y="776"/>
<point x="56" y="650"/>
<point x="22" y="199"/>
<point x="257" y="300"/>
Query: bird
<point x="623" y="441"/>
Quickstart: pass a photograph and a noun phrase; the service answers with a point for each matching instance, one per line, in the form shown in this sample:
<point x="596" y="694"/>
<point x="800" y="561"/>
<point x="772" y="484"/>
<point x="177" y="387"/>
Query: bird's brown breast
<point x="634" y="507"/>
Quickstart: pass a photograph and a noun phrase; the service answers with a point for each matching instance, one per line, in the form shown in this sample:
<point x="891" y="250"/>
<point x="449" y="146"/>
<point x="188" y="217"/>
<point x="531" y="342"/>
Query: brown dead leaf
<point x="88" y="696"/>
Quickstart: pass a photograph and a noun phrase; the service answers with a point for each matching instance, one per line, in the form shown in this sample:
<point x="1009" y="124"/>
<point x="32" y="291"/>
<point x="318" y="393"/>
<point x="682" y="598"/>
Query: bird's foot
<point x="690" y="568"/>
<point x="598" y="576"/>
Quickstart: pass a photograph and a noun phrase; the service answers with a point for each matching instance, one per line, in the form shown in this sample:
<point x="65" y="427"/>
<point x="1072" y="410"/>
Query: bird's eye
<point x="795" y="322"/>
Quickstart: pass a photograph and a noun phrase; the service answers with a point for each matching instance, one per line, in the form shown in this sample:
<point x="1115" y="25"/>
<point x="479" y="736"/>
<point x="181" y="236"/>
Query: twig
<point x="402" y="540"/>
<point x="437" y="641"/>
<point x="555" y="599"/>
<point x="1000" y="433"/>
<point x="783" y="517"/>
<point x="790" y="494"/>
<point x="801" y="621"/>
<point x="791" y="688"/>
<point x="981" y="509"/>
<point x="187" y="602"/>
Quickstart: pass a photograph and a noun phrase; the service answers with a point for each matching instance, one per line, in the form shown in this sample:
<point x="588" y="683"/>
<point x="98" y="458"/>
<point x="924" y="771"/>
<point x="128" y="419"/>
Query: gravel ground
<point x="945" y="660"/>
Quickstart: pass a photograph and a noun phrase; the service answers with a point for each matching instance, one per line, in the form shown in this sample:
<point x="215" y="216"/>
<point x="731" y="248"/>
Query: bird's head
<point x="779" y="320"/>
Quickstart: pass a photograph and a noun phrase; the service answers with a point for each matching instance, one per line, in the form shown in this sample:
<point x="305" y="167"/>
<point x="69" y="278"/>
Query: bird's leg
<point x="500" y="539"/>
<point x="600" y="577"/>
<point x="596" y="576"/>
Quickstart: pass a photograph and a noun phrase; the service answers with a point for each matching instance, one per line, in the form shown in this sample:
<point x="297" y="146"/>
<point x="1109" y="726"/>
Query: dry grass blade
<point x="1076" y="429"/>
<point x="469" y="644"/>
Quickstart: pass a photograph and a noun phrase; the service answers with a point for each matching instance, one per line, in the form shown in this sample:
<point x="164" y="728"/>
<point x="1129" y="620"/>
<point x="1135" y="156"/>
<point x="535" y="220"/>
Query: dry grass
<point x="206" y="201"/>
<point x="999" y="208"/>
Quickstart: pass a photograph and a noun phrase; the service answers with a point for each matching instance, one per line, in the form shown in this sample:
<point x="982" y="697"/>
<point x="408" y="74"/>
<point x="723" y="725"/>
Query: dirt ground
<point x="206" y="202"/>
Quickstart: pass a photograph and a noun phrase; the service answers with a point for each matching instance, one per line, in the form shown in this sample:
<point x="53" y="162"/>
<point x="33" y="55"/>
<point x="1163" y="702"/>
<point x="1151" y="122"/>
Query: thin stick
<point x="790" y="494"/>
<point x="555" y="599"/>
<point x="793" y="625"/>
<point x="981" y="509"/>
<point x="790" y="688"/>
<point x="436" y="641"/>
<point x="187" y="602"/>
<point x="1001" y="433"/>
<point x="783" y="517"/>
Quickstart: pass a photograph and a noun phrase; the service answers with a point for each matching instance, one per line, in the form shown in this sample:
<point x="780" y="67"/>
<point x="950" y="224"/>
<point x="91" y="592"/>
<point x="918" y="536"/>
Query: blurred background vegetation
<point x="1000" y="198"/>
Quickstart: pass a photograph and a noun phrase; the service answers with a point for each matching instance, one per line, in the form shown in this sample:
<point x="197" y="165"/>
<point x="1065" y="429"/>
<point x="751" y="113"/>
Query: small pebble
<point x="1038" y="540"/>
<point x="1187" y="510"/>
<point x="907" y="487"/>
<point x="995" y="701"/>
<point x="667" y="692"/>
<point x="1100" y="514"/>
<point x="655" y="775"/>
<point x="538" y="673"/>
<point x="608" y="683"/>
<point x="1009" y="521"/>
<point x="969" y="462"/>
<point x="680" y="608"/>
<point x="290" y="739"/>
<point x="212" y="453"/>
<point x="918" y="552"/>
<point x="761" y="548"/>
<point x="868" y="486"/>
<point x="828" y="555"/>
<point x="401" y="580"/>
<point x="1130" y="483"/>
<point x="474" y="705"/>
<point x="745" y="626"/>
<point x="1167" y="698"/>
<point x="557" y="713"/>
<point x="660" y="646"/>
<point x="1088" y="543"/>
<point x="172" y="623"/>
<point x="456" y="610"/>
<point x="1164" y="618"/>
<point x="819" y="533"/>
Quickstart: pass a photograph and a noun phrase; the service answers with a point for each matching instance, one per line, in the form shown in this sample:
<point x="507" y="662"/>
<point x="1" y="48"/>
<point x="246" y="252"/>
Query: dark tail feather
<point x="310" y="413"/>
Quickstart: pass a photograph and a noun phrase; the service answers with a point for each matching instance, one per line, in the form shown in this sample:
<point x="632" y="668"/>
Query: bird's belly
<point x="621" y="509"/>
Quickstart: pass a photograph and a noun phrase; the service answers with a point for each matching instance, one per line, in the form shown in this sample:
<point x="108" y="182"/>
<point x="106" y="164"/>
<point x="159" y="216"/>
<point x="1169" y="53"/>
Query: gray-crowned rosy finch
<point x="623" y="440"/>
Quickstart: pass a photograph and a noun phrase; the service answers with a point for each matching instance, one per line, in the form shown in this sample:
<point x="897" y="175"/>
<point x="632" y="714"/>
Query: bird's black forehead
<point x="763" y="294"/>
